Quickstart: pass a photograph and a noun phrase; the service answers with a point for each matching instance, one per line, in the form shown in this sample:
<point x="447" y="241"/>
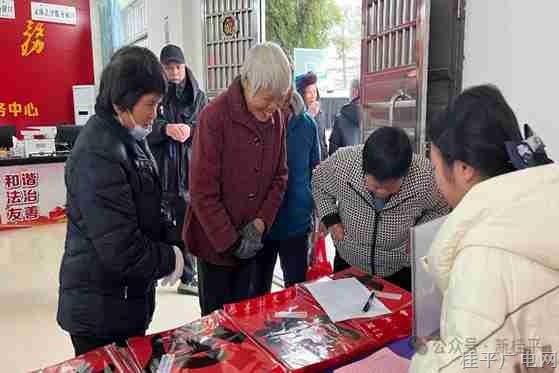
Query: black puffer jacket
<point x="346" y="131"/>
<point x="115" y="248"/>
<point x="182" y="104"/>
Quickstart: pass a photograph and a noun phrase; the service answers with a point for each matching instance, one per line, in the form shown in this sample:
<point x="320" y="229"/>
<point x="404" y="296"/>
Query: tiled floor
<point x="30" y="338"/>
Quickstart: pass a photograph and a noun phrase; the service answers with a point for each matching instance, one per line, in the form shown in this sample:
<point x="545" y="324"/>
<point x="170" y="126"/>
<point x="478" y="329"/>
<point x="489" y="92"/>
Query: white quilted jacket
<point x="496" y="260"/>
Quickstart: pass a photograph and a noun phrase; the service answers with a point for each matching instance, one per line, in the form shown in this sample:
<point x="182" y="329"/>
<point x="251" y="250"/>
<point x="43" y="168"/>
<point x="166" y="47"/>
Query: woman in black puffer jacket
<point x="116" y="247"/>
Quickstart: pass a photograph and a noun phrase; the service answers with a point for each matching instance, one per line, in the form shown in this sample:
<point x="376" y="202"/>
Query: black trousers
<point x="293" y="253"/>
<point x="83" y="344"/>
<point x="219" y="285"/>
<point x="179" y="206"/>
<point x="402" y="278"/>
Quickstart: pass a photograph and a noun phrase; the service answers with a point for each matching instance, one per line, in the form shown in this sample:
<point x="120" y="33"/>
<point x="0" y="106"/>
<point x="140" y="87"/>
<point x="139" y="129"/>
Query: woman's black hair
<point x="474" y="130"/>
<point x="131" y="73"/>
<point x="387" y="154"/>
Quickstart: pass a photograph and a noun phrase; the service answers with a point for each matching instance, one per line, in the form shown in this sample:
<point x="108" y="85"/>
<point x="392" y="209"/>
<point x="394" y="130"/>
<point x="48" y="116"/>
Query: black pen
<point x="368" y="304"/>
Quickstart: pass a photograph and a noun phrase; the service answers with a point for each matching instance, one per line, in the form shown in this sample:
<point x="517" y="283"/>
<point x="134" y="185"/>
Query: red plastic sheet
<point x="314" y="343"/>
<point x="251" y="336"/>
<point x="209" y="345"/>
<point x="303" y="344"/>
<point x="98" y="361"/>
<point x="212" y="344"/>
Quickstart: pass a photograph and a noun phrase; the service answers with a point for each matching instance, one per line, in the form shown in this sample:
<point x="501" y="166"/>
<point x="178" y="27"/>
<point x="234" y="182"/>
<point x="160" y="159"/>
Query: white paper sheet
<point x="344" y="299"/>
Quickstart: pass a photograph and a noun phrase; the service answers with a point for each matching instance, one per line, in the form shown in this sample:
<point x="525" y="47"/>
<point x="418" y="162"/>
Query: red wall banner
<point x="40" y="62"/>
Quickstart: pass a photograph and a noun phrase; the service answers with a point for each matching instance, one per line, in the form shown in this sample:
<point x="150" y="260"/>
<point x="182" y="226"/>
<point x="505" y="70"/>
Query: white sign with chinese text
<point x="54" y="13"/>
<point x="7" y="9"/>
<point x="31" y="193"/>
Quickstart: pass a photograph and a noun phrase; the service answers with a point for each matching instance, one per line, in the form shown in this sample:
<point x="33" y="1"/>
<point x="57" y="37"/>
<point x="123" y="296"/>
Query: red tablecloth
<point x="249" y="337"/>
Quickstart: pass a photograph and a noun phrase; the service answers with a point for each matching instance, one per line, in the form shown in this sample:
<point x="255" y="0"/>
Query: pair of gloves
<point x="248" y="246"/>
<point x="250" y="242"/>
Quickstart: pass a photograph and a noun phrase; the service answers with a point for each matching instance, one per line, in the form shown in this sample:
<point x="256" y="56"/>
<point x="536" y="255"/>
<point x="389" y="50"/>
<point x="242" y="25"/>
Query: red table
<point x="248" y="337"/>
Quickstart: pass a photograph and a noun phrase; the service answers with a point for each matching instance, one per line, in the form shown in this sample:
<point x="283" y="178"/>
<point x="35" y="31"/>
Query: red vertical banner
<point x="43" y="56"/>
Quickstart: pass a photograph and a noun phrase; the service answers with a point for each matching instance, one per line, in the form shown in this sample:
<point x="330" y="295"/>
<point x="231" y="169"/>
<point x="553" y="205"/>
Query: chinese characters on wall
<point x="22" y="196"/>
<point x="7" y="9"/>
<point x="33" y="41"/>
<point x="54" y="13"/>
<point x="15" y="109"/>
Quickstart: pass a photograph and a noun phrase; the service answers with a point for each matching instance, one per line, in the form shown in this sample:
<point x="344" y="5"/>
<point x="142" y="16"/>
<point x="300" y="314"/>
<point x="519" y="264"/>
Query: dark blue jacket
<point x="346" y="131"/>
<point x="303" y="154"/>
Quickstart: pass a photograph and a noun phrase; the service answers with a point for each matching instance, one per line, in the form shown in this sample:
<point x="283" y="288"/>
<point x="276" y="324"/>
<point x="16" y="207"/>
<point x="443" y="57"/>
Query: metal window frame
<point x="390" y="36"/>
<point x="229" y="68"/>
<point x="134" y="17"/>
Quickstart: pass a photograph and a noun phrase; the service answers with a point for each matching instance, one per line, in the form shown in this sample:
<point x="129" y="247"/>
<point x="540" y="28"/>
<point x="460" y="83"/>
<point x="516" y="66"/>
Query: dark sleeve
<point x="108" y="209"/>
<point x="274" y="199"/>
<point x="336" y="140"/>
<point x="202" y="101"/>
<point x="322" y="135"/>
<point x="314" y="156"/>
<point x="202" y="104"/>
<point x="315" y="150"/>
<point x="205" y="182"/>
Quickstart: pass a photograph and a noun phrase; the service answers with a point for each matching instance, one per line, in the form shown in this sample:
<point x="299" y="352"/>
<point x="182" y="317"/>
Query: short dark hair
<point x="131" y="73"/>
<point x="387" y="154"/>
<point x="474" y="130"/>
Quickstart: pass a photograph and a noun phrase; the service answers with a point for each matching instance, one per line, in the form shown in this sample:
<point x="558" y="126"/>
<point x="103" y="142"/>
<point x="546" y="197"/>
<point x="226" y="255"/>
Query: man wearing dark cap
<point x="306" y="86"/>
<point x="170" y="142"/>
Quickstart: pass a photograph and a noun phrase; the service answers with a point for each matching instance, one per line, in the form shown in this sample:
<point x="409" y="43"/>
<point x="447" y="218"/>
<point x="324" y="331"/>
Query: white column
<point x="512" y="44"/>
<point x="96" y="43"/>
<point x="160" y="13"/>
<point x="193" y="43"/>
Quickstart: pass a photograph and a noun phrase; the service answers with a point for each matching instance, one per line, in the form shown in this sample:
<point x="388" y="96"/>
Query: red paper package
<point x="100" y="360"/>
<point x="297" y="332"/>
<point x="210" y="344"/>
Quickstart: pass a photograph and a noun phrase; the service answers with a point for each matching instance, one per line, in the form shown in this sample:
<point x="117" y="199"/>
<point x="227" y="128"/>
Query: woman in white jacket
<point x="496" y="258"/>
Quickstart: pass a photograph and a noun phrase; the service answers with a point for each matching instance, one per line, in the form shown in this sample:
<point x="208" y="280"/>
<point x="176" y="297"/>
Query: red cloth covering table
<point x="249" y="337"/>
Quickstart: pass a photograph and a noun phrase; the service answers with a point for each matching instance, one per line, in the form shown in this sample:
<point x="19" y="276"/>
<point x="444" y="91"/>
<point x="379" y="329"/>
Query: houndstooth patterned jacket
<point x="375" y="241"/>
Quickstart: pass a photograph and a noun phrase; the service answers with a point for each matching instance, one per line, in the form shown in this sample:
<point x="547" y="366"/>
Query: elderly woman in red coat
<point x="238" y="176"/>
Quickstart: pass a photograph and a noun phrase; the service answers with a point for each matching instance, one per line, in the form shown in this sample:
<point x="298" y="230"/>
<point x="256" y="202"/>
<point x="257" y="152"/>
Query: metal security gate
<point x="231" y="27"/>
<point x="395" y="46"/>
